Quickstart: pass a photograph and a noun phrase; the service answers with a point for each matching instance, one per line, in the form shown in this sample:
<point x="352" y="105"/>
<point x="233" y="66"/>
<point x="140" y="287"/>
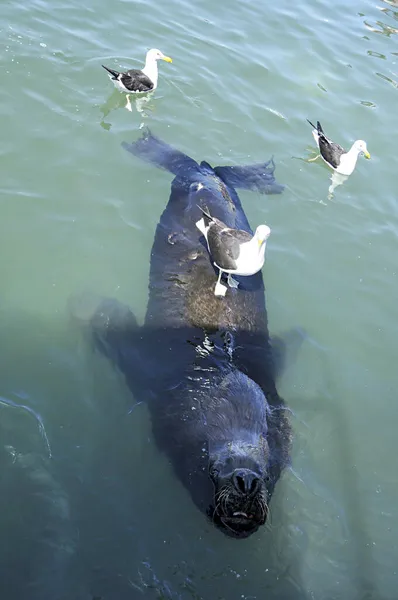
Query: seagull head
<point x="262" y="234"/>
<point x="361" y="148"/>
<point x="155" y="54"/>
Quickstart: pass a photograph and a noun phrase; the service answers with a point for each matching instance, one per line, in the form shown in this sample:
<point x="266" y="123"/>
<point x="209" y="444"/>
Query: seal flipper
<point x="267" y="360"/>
<point x="285" y="348"/>
<point x="153" y="150"/>
<point x="113" y="329"/>
<point x="259" y="177"/>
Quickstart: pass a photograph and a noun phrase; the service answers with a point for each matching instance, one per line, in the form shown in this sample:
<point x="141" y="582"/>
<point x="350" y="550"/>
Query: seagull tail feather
<point x="206" y="213"/>
<point x="115" y="74"/>
<point x="312" y="124"/>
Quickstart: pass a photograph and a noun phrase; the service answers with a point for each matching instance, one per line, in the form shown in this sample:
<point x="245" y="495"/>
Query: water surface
<point x="105" y="517"/>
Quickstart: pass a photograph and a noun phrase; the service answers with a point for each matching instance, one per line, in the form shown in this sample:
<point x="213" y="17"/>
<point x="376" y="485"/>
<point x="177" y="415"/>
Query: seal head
<point x="240" y="493"/>
<point x="239" y="458"/>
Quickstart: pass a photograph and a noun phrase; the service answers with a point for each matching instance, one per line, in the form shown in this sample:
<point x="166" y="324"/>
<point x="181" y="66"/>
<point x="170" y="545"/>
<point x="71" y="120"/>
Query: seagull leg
<point x="128" y="105"/>
<point x="232" y="282"/>
<point x="336" y="179"/>
<point x="140" y="105"/>
<point x="313" y="159"/>
<point x="220" y="289"/>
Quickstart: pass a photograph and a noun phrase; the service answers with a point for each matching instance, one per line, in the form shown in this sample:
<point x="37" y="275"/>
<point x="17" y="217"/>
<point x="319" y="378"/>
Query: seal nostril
<point x="254" y="485"/>
<point x="240" y="484"/>
<point x="245" y="481"/>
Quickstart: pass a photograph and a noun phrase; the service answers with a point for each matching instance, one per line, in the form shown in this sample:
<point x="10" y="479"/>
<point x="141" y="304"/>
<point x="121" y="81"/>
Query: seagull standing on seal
<point x="335" y="156"/>
<point x="233" y="250"/>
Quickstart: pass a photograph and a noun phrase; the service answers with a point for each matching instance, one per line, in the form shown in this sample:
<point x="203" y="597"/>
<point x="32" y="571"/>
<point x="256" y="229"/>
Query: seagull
<point x="335" y="156"/>
<point x="233" y="250"/>
<point x="136" y="81"/>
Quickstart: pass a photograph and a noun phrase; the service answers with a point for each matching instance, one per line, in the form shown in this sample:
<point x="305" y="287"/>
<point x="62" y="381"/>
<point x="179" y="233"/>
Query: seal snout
<point x="246" y="482"/>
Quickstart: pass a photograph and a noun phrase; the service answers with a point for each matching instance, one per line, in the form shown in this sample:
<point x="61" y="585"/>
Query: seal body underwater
<point x="203" y="363"/>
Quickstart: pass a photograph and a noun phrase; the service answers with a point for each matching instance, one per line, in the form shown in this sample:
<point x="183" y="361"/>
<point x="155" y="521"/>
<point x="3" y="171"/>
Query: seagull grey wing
<point x="239" y="235"/>
<point x="222" y="251"/>
<point x="136" y="81"/>
<point x="224" y="245"/>
<point x="330" y="151"/>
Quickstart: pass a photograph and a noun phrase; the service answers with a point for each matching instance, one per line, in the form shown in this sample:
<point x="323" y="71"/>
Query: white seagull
<point x="335" y="156"/>
<point x="233" y="250"/>
<point x="136" y="81"/>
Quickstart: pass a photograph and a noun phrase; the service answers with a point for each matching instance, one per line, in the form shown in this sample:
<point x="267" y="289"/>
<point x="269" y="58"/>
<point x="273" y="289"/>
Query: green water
<point x="77" y="212"/>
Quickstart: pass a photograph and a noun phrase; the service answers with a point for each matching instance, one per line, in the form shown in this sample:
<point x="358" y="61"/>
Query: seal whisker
<point x="220" y="497"/>
<point x="215" y="511"/>
<point x="223" y="498"/>
<point x="261" y="504"/>
<point x="226" y="496"/>
<point x="267" y="514"/>
<point x="228" y="527"/>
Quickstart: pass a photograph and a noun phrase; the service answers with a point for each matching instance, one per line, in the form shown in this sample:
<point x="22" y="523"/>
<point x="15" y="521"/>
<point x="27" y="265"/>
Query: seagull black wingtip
<point x="115" y="74"/>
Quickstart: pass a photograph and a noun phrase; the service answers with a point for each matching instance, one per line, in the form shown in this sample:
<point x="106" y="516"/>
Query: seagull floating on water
<point x="335" y="156"/>
<point x="233" y="250"/>
<point x="136" y="81"/>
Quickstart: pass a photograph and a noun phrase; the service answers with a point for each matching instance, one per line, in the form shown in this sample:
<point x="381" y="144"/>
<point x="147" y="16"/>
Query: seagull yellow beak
<point x="167" y="59"/>
<point x="366" y="154"/>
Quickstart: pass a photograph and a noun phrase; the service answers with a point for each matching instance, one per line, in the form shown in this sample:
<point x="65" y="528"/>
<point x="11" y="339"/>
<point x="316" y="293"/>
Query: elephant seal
<point x="204" y="364"/>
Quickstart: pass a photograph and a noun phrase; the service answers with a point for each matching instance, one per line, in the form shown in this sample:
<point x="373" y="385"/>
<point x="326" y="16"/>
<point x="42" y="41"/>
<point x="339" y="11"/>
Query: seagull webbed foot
<point x="220" y="289"/>
<point x="232" y="282"/>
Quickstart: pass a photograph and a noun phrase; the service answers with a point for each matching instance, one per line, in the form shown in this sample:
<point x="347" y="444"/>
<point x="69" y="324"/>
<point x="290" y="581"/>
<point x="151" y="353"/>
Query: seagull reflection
<point x="336" y="179"/>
